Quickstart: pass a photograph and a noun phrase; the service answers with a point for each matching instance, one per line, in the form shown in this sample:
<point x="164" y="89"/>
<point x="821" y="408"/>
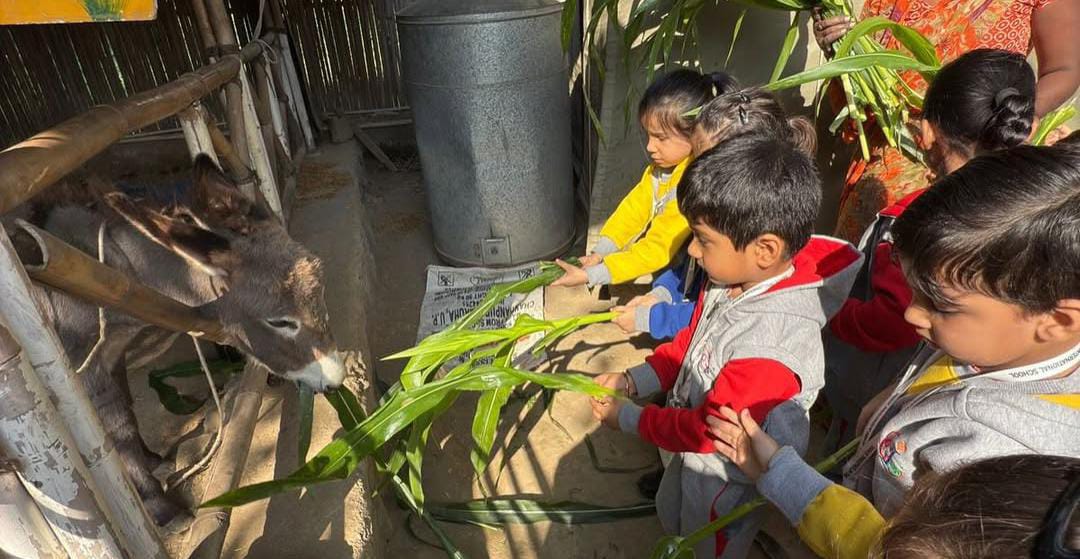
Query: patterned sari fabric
<point x="954" y="27"/>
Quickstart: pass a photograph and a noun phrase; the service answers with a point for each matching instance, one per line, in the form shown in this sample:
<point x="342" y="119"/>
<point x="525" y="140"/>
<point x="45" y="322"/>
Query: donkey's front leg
<point x="109" y="393"/>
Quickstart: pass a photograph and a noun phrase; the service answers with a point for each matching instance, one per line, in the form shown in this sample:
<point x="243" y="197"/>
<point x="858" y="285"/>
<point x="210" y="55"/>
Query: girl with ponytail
<point x="981" y="102"/>
<point x="646" y="231"/>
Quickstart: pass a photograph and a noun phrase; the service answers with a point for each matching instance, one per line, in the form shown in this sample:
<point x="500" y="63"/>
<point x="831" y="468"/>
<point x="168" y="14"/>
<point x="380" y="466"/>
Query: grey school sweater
<point x="938" y="420"/>
<point x="780" y="323"/>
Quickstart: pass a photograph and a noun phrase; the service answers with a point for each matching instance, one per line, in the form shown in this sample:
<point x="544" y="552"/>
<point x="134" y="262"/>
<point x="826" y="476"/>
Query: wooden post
<point x="196" y="132"/>
<point x="234" y="110"/>
<point x="260" y="157"/>
<point x="32" y="165"/>
<point x="264" y="111"/>
<point x="207" y="532"/>
<point x="241" y="174"/>
<point x="31" y="427"/>
<point x="206" y="31"/>
<point x="62" y="266"/>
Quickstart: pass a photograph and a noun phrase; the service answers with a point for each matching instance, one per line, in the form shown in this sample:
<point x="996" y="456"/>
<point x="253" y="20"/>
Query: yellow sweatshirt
<point x="645" y="232"/>
<point x="832" y="520"/>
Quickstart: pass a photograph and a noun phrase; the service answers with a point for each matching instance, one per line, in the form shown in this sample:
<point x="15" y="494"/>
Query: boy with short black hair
<point x="755" y="339"/>
<point x="992" y="253"/>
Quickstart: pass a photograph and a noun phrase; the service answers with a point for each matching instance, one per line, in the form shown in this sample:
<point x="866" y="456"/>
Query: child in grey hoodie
<point x="755" y="339"/>
<point x="992" y="252"/>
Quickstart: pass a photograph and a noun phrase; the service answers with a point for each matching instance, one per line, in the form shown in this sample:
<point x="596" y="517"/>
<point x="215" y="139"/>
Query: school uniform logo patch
<point x="889" y="450"/>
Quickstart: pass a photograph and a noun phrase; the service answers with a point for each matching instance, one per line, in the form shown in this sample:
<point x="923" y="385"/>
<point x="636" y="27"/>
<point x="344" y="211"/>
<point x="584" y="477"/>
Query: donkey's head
<point x="272" y="307"/>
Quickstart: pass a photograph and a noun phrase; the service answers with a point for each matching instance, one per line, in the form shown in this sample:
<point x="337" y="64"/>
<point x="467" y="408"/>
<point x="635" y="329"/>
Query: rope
<point x="268" y="51"/>
<point x="101" y="310"/>
<point x="215" y="444"/>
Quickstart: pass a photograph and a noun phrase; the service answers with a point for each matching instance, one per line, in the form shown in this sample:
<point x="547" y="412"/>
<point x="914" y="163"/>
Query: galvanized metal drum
<point x="487" y="83"/>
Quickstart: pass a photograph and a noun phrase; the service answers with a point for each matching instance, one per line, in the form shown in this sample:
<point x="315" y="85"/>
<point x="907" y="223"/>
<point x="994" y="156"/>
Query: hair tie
<point x="743" y="101"/>
<point x="1004" y="94"/>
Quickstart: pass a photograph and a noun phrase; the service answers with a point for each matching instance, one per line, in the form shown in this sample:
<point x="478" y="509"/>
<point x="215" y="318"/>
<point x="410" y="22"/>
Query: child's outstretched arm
<point x="753" y="383"/>
<point x="833" y="520"/>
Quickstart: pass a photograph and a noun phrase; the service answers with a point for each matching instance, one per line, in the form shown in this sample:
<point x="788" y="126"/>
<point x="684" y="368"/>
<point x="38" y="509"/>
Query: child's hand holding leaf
<point x="606" y="411"/>
<point x="573" y="277"/>
<point x="740" y="439"/>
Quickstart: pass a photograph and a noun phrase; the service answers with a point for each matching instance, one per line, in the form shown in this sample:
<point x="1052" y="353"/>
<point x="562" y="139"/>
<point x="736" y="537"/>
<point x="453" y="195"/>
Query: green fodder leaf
<point x="447" y="545"/>
<point x="485" y="424"/>
<point x="306" y="403"/>
<point x="919" y="46"/>
<point x="340" y="458"/>
<point x="855" y="63"/>
<point x="841" y="116"/>
<point x="1052" y="121"/>
<point x="787" y="48"/>
<point x="499" y="512"/>
<point x="734" y="36"/>
<point x="349" y="411"/>
<point x="644" y="7"/>
<point x="569" y="16"/>
<point x="180" y="404"/>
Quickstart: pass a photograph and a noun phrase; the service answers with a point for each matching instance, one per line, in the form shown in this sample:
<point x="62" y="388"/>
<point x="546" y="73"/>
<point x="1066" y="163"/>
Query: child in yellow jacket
<point x="647" y="230"/>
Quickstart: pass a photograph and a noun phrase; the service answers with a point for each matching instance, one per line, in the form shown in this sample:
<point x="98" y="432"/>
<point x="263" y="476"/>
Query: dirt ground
<point x="551" y="460"/>
<point x="544" y="448"/>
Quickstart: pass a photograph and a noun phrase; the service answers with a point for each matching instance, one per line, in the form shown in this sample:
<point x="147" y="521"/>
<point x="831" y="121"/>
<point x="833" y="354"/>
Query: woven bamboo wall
<point x="346" y="49"/>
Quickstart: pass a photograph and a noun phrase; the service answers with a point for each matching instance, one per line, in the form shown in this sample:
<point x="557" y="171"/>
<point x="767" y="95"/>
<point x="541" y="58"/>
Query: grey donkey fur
<point x="214" y="249"/>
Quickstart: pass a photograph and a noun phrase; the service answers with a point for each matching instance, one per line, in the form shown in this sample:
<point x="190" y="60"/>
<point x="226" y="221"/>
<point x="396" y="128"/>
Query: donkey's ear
<point x="204" y="249"/>
<point x="220" y="203"/>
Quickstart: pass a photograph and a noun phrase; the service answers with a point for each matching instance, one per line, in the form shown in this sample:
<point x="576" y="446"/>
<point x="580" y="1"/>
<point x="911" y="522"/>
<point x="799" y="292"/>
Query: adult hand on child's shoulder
<point x="573" y="277"/>
<point x="590" y="259"/>
<point x="606" y="411"/>
<point x="740" y="439"/>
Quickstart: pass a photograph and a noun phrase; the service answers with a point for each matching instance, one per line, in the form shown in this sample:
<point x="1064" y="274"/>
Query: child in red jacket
<point x="754" y="341"/>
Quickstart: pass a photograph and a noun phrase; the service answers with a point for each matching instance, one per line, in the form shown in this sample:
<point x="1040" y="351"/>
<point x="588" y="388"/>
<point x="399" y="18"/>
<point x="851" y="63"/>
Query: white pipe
<point x="26" y="534"/>
<point x="32" y="433"/>
<point x="260" y="158"/>
<point x="196" y="132"/>
<point x="42" y="348"/>
<point x="296" y="94"/>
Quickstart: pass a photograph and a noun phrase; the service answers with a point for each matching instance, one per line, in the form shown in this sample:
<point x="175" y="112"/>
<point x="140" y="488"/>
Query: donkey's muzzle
<point x="325" y="373"/>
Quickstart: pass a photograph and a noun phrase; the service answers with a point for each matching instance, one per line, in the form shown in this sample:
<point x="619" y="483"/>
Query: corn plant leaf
<point x="486" y="419"/>
<point x="919" y="46"/>
<point x="735" y="35"/>
<point x="673" y="547"/>
<point x="1052" y="121"/>
<point x="839" y="120"/>
<point x="498" y="512"/>
<point x="180" y="404"/>
<point x="569" y="16"/>
<point x="340" y="458"/>
<point x="644" y="7"/>
<point x="447" y="545"/>
<point x="787" y="48"/>
<point x="306" y="404"/>
<point x="854" y="63"/>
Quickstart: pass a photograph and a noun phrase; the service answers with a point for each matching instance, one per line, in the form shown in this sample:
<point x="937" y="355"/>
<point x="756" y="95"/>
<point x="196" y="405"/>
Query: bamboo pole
<point x="264" y="110"/>
<point x="207" y="533"/>
<point x="206" y="32"/>
<point x="26" y="532"/>
<point x="32" y="428"/>
<point x="196" y="132"/>
<point x="240" y="173"/>
<point x="42" y="348"/>
<point x="260" y="156"/>
<point x="59" y="265"/>
<point x="296" y="94"/>
<point x="29" y="166"/>
<point x="226" y="41"/>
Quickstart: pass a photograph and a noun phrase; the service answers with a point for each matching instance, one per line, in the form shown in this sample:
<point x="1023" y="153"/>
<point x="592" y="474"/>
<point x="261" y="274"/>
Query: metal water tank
<point x="487" y="83"/>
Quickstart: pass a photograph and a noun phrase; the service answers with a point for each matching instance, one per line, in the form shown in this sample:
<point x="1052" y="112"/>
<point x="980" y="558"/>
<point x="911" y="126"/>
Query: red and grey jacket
<point x="762" y="351"/>
<point x="872" y="319"/>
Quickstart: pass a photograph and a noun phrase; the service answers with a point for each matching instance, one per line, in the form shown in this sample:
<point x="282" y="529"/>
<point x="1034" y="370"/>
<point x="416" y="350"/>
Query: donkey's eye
<point x="287" y="325"/>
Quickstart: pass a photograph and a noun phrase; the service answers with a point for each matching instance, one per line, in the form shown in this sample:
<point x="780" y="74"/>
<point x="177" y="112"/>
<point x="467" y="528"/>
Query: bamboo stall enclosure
<point x="48" y="425"/>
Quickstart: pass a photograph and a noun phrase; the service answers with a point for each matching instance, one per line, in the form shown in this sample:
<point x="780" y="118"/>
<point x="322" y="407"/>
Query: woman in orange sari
<point x="1050" y="27"/>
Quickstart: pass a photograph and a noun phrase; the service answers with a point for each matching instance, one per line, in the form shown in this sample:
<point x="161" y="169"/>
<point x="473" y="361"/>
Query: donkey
<point x="210" y="247"/>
